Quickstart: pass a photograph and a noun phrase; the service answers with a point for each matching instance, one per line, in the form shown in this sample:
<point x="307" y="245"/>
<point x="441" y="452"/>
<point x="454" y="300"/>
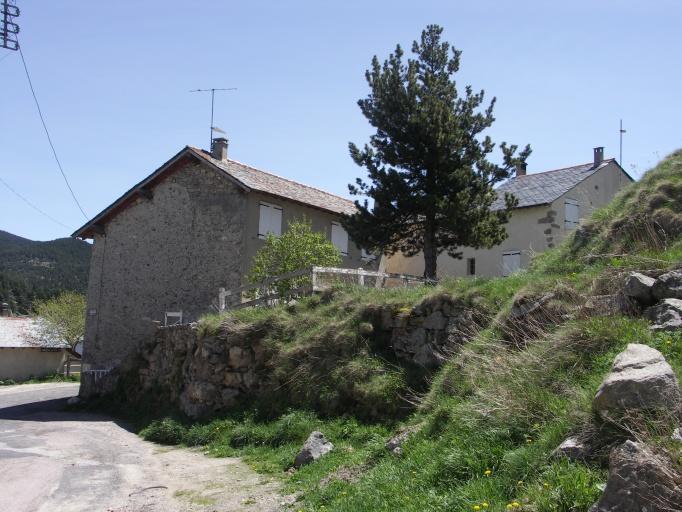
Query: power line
<point x="47" y="132"/>
<point x="32" y="205"/>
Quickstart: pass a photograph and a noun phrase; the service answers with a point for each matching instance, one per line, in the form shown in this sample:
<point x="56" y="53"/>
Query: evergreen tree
<point x="430" y="177"/>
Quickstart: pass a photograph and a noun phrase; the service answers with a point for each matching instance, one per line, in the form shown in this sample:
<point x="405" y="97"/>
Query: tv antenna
<point x="8" y="29"/>
<point x="620" y="159"/>
<point x="212" y="91"/>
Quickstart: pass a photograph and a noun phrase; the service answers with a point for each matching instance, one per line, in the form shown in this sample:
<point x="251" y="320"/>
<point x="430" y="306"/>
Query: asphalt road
<point x="59" y="461"/>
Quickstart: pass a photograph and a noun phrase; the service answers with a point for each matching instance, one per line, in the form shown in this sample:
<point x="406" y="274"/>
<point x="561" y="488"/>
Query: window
<point x="340" y="238"/>
<point x="571" y="214"/>
<point x="471" y="266"/>
<point x="511" y="262"/>
<point x="269" y="220"/>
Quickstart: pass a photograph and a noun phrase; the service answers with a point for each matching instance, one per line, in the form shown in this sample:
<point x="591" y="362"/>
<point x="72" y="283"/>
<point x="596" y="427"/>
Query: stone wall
<point x="167" y="253"/>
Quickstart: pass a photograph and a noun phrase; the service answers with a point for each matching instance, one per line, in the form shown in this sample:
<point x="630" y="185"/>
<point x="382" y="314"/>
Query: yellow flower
<point x="488" y="472"/>
<point x="545" y="485"/>
<point x="509" y="506"/>
<point x="476" y="507"/>
<point x="516" y="504"/>
<point x="520" y="482"/>
<point x="485" y="504"/>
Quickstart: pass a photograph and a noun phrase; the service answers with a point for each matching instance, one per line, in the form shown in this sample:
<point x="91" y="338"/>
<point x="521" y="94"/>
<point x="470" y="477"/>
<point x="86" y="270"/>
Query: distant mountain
<point x="32" y="270"/>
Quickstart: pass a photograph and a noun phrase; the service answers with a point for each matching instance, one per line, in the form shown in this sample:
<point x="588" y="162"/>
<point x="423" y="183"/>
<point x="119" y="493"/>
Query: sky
<point x="113" y="82"/>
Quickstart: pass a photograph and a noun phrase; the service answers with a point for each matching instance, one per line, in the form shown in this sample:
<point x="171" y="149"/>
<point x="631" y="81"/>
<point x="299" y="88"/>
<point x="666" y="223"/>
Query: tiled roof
<point x="262" y="181"/>
<point x="545" y="187"/>
<point x="20" y="332"/>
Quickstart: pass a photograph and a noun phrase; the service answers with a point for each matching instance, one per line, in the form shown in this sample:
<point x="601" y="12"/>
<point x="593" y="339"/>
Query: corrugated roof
<point x="21" y="332"/>
<point x="263" y="181"/>
<point x="545" y="187"/>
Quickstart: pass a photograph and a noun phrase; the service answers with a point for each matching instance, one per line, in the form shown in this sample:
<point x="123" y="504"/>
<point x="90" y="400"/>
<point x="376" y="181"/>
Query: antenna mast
<point x="212" y="91"/>
<point x="8" y="29"/>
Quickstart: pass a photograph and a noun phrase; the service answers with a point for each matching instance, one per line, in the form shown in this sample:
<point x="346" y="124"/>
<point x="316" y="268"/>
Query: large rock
<point x="640" y="378"/>
<point x="668" y="286"/>
<point x="666" y="315"/>
<point x="315" y="447"/>
<point x="640" y="480"/>
<point x="573" y="448"/>
<point x="640" y="287"/>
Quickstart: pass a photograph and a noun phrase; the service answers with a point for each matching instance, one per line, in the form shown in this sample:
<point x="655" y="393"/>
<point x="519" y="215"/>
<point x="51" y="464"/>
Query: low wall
<point x="22" y="363"/>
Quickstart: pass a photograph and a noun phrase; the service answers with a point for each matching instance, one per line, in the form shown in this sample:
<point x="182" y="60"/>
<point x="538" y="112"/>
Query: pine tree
<point x="430" y="177"/>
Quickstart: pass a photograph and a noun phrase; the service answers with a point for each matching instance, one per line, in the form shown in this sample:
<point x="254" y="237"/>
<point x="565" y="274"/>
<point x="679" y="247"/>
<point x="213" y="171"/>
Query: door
<point x="511" y="262"/>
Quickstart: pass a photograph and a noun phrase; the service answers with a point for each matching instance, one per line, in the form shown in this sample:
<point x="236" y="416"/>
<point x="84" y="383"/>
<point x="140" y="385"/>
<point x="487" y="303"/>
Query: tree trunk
<point x="430" y="254"/>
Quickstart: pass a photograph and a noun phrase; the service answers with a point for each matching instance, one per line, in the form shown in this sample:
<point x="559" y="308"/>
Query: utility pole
<point x="620" y="159"/>
<point x="212" y="91"/>
<point x="8" y="29"/>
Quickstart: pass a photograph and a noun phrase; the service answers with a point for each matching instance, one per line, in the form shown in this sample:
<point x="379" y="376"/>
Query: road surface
<point x="59" y="461"/>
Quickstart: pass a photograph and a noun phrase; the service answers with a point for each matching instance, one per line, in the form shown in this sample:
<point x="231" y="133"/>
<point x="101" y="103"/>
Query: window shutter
<point x="511" y="262"/>
<point x="276" y="221"/>
<point x="263" y="220"/>
<point x="340" y="238"/>
<point x="571" y="214"/>
<point x="269" y="220"/>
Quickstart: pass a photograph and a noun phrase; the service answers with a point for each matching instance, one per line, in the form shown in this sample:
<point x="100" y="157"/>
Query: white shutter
<point x="571" y="214"/>
<point x="269" y="220"/>
<point x="340" y="238"/>
<point x="511" y="262"/>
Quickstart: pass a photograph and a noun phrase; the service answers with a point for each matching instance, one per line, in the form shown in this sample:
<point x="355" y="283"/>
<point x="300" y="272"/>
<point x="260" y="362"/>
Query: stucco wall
<point x="168" y="253"/>
<point x="531" y="230"/>
<point x="291" y="211"/>
<point x="22" y="363"/>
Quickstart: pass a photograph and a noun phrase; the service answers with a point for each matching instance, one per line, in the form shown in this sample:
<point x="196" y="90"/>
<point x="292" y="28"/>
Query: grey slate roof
<point x="545" y="187"/>
<point x="20" y="332"/>
<point x="269" y="183"/>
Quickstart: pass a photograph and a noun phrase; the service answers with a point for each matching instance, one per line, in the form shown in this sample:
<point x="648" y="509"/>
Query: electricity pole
<point x="212" y="91"/>
<point x="8" y="29"/>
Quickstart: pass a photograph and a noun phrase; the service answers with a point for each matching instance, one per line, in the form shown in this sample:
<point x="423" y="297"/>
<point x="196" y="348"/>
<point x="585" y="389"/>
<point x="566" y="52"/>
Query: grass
<point x="491" y="417"/>
<point x="55" y="377"/>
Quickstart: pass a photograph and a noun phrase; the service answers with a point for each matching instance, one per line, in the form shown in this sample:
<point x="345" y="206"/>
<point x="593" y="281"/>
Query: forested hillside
<point x="32" y="270"/>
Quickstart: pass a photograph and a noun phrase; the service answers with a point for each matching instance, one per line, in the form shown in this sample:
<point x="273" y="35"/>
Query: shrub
<point x="164" y="431"/>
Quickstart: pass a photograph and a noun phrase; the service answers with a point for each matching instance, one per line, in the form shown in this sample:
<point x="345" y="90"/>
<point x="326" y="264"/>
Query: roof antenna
<point x="212" y="91"/>
<point x="620" y="159"/>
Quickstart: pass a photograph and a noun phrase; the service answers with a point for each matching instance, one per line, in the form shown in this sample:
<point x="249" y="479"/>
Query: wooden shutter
<point x="571" y="214"/>
<point x="511" y="262"/>
<point x="269" y="220"/>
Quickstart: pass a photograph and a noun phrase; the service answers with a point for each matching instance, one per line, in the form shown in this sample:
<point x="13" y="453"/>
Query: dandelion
<point x="520" y="482"/>
<point x="516" y="504"/>
<point x="510" y="506"/>
<point x="485" y="504"/>
<point x="488" y="472"/>
<point x="545" y="485"/>
<point x="476" y="507"/>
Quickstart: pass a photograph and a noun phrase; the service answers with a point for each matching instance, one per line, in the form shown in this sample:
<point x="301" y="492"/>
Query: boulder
<point x="677" y="434"/>
<point x="668" y="286"/>
<point x="640" y="378"/>
<point x="666" y="315"/>
<point x="640" y="287"/>
<point x="640" y="480"/>
<point x="315" y="447"/>
<point x="573" y="448"/>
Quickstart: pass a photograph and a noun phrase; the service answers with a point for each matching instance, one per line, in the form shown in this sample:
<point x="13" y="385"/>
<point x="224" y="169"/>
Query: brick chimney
<point x="219" y="148"/>
<point x="4" y="309"/>
<point x="598" y="155"/>
<point x="521" y="169"/>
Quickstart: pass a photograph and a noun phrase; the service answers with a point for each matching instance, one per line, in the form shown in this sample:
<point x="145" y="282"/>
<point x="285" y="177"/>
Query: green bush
<point x="164" y="431"/>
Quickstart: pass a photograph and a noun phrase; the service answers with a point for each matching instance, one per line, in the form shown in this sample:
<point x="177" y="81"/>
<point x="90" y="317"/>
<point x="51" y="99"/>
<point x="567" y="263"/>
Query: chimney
<point x="598" y="155"/>
<point x="219" y="148"/>
<point x="521" y="169"/>
<point x="4" y="310"/>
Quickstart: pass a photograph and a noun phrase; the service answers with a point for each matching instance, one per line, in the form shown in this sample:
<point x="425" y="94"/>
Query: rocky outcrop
<point x="640" y="379"/>
<point x="640" y="288"/>
<point x="394" y="445"/>
<point x="315" y="447"/>
<point x="573" y="448"/>
<point x="640" y="480"/>
<point x="666" y="315"/>
<point x="668" y="286"/>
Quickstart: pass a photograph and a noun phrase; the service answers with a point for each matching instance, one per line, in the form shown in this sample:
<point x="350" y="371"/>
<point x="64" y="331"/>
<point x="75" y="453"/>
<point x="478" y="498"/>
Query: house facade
<point x="169" y="243"/>
<point x="23" y="353"/>
<point x="551" y="205"/>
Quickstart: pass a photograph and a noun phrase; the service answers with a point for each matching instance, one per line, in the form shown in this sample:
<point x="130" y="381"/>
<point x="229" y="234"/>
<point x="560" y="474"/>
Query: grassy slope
<point x="493" y="414"/>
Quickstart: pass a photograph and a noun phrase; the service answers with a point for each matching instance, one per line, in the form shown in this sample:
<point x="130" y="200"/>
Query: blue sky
<point x="113" y="81"/>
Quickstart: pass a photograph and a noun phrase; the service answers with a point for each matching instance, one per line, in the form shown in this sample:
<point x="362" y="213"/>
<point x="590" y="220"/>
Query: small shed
<point x="23" y="354"/>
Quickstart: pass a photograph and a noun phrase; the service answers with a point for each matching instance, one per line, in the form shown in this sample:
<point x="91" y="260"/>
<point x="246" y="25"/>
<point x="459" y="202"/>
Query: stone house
<point x="165" y="247"/>
<point x="551" y="205"/>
